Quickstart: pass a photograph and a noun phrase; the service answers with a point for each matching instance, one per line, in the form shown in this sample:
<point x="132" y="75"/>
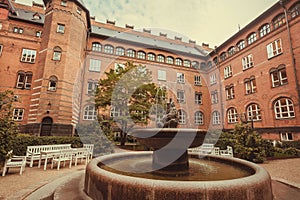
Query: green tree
<point x="8" y="128"/>
<point x="130" y="92"/>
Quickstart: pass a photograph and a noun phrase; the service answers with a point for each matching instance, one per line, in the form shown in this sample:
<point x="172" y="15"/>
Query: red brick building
<point x="53" y="55"/>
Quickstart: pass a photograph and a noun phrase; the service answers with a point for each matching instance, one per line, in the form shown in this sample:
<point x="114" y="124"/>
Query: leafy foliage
<point x="8" y="128"/>
<point x="130" y="91"/>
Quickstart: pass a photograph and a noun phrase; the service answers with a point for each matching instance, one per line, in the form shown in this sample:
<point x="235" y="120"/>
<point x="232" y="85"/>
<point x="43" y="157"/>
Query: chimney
<point x="93" y="17"/>
<point x="129" y="26"/>
<point x="192" y="41"/>
<point x="110" y="22"/>
<point x="147" y="30"/>
<point x="162" y="34"/>
<point x="205" y="45"/>
<point x="178" y="38"/>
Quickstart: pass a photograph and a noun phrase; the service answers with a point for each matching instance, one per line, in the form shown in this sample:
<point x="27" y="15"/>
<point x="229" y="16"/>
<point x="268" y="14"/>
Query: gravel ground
<point x="13" y="186"/>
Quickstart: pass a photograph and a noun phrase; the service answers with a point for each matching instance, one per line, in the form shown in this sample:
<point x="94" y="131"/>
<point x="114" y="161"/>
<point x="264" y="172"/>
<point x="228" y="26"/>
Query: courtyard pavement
<point x="285" y="175"/>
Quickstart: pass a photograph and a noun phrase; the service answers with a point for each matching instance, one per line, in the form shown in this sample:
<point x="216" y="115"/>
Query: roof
<point x="28" y="16"/>
<point x="154" y="42"/>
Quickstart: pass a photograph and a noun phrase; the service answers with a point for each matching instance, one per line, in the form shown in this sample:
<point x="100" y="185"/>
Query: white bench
<point x="227" y="152"/>
<point x="63" y="156"/>
<point x="204" y="149"/>
<point x="90" y="147"/>
<point x="33" y="152"/>
<point x="15" y="161"/>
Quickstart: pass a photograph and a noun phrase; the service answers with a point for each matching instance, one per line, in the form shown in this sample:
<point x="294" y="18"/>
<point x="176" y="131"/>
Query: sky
<point x="205" y="21"/>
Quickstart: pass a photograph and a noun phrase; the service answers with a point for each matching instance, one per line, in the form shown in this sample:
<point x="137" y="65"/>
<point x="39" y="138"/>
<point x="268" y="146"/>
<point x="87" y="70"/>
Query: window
<point x="295" y="10"/>
<point x="215" y="60"/>
<point x="170" y="60"/>
<point x="18" y="114"/>
<point x="214" y="97"/>
<point x="209" y="65"/>
<point x="284" y="108"/>
<point x="198" y="98"/>
<point x="180" y="96"/>
<point x="60" y="28"/>
<point x="63" y="3"/>
<point x="24" y="80"/>
<point x="264" y="30"/>
<point x="160" y="58"/>
<point x="241" y="45"/>
<point x="182" y="117"/>
<point x="57" y="53"/>
<point x="251" y="38"/>
<point x="28" y="55"/>
<point x="213" y="79"/>
<point x="279" y="21"/>
<point x="253" y="112"/>
<point x="231" y="51"/>
<point x="197" y="80"/>
<point x="274" y="48"/>
<point x="232" y="116"/>
<point x="78" y="10"/>
<point x="95" y="65"/>
<point x="247" y="62"/>
<point x="141" y="55"/>
<point x="187" y="63"/>
<point x="92" y="87"/>
<point x="180" y="78"/>
<point x="38" y="33"/>
<point x="162" y="75"/>
<point x="227" y="71"/>
<point x="96" y="46"/>
<point x="108" y="49"/>
<point x="278" y="76"/>
<point x="115" y="112"/>
<point x="229" y="92"/>
<point x="1" y="49"/>
<point x="250" y="85"/>
<point x="216" y="118"/>
<point x="178" y="61"/>
<point x="196" y="65"/>
<point x="286" y="137"/>
<point x="52" y="85"/>
<point x="120" y="51"/>
<point x="151" y="56"/>
<point x="199" y="119"/>
<point x="131" y="53"/>
<point x="89" y="113"/>
<point x="222" y="56"/>
<point x="18" y="30"/>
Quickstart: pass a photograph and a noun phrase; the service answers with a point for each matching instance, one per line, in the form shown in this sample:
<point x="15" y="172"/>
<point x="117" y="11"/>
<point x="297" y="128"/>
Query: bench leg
<point x="4" y="171"/>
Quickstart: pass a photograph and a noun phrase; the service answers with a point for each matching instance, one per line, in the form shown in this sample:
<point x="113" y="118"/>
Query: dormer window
<point x="36" y="16"/>
<point x="63" y="3"/>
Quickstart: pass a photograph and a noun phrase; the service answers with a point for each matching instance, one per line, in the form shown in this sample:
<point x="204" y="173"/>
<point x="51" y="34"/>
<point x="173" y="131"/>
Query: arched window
<point x="52" y="85"/>
<point x="178" y="61"/>
<point x="231" y="51"/>
<point x="161" y="58"/>
<point x="279" y="20"/>
<point x="209" y="65"/>
<point x="96" y="46"/>
<point x="187" y="63"/>
<point x="278" y="76"/>
<point x="141" y="55"/>
<point x="241" y="45"/>
<point x="223" y="56"/>
<point x="199" y="118"/>
<point x="250" y="85"/>
<point x="295" y="10"/>
<point x="182" y="117"/>
<point x="216" y="118"/>
<point x="89" y="113"/>
<point x="264" y="30"/>
<point x="232" y="115"/>
<point x="24" y="80"/>
<point x="196" y="65"/>
<point x="131" y="53"/>
<point x="251" y="38"/>
<point x="120" y="51"/>
<point x="215" y="60"/>
<point x="108" y="49"/>
<point x="170" y="60"/>
<point x="57" y="53"/>
<point x="46" y="129"/>
<point x="284" y="108"/>
<point x="253" y="112"/>
<point x="151" y="56"/>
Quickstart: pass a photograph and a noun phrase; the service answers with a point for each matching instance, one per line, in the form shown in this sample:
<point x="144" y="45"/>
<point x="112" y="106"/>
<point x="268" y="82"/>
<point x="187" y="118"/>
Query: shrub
<point x="291" y="144"/>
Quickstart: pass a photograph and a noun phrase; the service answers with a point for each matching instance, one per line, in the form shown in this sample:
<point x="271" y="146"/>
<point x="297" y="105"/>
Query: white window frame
<point x="251" y="38"/>
<point x="253" y="112"/>
<point x="284" y="111"/>
<point x="91" y="87"/>
<point x="18" y="114"/>
<point x="95" y="65"/>
<point x="180" y="96"/>
<point x="241" y="45"/>
<point x="198" y="98"/>
<point x="250" y="86"/>
<point x="281" y="77"/>
<point x="180" y="78"/>
<point x="161" y="75"/>
<point x="170" y="60"/>
<point x="274" y="48"/>
<point x="120" y="51"/>
<point x="160" y="58"/>
<point x="228" y="71"/>
<point x="182" y="117"/>
<point x="108" y="49"/>
<point x="264" y="30"/>
<point x="178" y="61"/>
<point x="115" y="112"/>
<point x="214" y="97"/>
<point x="96" y="46"/>
<point x="216" y="118"/>
<point x="213" y="79"/>
<point x="247" y="62"/>
<point x="229" y="92"/>
<point x="60" y="28"/>
<point x="130" y="53"/>
<point x="286" y="136"/>
<point x="28" y="55"/>
<point x="232" y="116"/>
<point x="197" y="80"/>
<point x="187" y="63"/>
<point x="199" y="118"/>
<point x="89" y="113"/>
<point x="151" y="56"/>
<point x="141" y="55"/>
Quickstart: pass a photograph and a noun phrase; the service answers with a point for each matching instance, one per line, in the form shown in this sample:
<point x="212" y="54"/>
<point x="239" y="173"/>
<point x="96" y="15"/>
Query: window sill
<point x="275" y="56"/>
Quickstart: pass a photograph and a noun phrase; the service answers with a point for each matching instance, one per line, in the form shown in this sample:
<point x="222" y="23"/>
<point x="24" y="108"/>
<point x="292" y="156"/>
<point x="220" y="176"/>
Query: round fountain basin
<point x="105" y="179"/>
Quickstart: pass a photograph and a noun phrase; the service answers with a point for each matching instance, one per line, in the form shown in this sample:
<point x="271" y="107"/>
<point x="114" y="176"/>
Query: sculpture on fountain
<point x="170" y="119"/>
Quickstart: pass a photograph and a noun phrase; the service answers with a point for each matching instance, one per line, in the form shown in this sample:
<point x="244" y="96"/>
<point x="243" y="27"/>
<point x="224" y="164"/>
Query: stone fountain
<point x="170" y="173"/>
